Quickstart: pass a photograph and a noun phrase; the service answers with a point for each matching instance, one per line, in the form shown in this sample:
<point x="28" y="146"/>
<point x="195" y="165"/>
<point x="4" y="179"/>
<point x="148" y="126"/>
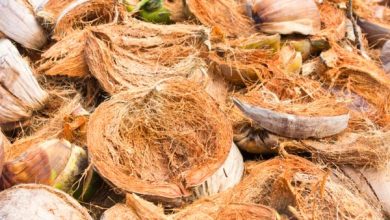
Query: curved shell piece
<point x="287" y="16"/>
<point x="18" y="23"/>
<point x="294" y="126"/>
<point x="37" y="202"/>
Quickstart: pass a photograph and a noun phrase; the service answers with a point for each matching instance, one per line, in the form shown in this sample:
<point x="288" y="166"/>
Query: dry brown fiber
<point x="64" y="17"/>
<point x="298" y="188"/>
<point x="226" y="15"/>
<point x="137" y="45"/>
<point x="159" y="141"/>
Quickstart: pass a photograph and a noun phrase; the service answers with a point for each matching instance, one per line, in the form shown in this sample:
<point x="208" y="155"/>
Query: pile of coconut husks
<point x="194" y="109"/>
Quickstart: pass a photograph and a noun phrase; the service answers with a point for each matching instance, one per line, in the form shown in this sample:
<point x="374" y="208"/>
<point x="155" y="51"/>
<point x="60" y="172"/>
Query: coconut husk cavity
<point x="76" y="14"/>
<point x="226" y="15"/>
<point x="20" y="92"/>
<point x="19" y="24"/>
<point x="137" y="45"/>
<point x="34" y="201"/>
<point x="293" y="107"/>
<point x="300" y="189"/>
<point x="137" y="208"/>
<point x="53" y="162"/>
<point x="350" y="73"/>
<point x="179" y="141"/>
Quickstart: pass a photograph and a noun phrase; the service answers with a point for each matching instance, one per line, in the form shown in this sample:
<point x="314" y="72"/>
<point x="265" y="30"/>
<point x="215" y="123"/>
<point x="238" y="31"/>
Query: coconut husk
<point x="52" y="162"/>
<point x="68" y="122"/>
<point x="119" y="65"/>
<point x="67" y="57"/>
<point x="351" y="73"/>
<point x="243" y="66"/>
<point x="178" y="128"/>
<point x="3" y="144"/>
<point x="300" y="189"/>
<point x="209" y="208"/>
<point x="227" y="15"/>
<point x="178" y="10"/>
<point x="69" y="15"/>
<point x="332" y="25"/>
<point x="34" y="201"/>
<point x="291" y="97"/>
<point x="19" y="24"/>
<point x="20" y="92"/>
<point x="369" y="149"/>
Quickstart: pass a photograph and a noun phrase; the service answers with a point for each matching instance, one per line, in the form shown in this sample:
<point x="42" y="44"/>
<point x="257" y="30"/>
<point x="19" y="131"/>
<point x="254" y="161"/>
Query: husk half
<point x="176" y="129"/>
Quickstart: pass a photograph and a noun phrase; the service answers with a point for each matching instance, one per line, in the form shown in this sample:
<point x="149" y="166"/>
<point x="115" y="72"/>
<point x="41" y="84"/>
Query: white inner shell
<point x="35" y="204"/>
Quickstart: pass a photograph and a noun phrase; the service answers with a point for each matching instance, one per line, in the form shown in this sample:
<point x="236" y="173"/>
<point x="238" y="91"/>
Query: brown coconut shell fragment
<point x="162" y="142"/>
<point x="34" y="201"/>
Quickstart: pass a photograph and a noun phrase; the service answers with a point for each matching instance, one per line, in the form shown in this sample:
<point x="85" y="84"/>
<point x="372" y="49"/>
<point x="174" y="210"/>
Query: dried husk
<point x="52" y="162"/>
<point x="208" y="208"/>
<point x="350" y="73"/>
<point x="18" y="23"/>
<point x="178" y="10"/>
<point x="34" y="201"/>
<point x="125" y="64"/>
<point x="370" y="149"/>
<point x="287" y="16"/>
<point x="373" y="182"/>
<point x="334" y="25"/>
<point x="20" y="92"/>
<point x="91" y="12"/>
<point x="4" y="143"/>
<point x="244" y="66"/>
<point x="64" y="122"/>
<point x="157" y="141"/>
<point x="68" y="56"/>
<point x="300" y="189"/>
<point x="76" y="14"/>
<point x="226" y="15"/>
<point x="291" y="107"/>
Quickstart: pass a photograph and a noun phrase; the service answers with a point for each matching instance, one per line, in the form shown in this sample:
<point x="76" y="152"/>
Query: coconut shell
<point x="376" y="34"/>
<point x="173" y="114"/>
<point x="33" y="201"/>
<point x="385" y="57"/>
<point x="18" y="86"/>
<point x="373" y="182"/>
<point x="295" y="126"/>
<point x="19" y="24"/>
<point x="287" y="16"/>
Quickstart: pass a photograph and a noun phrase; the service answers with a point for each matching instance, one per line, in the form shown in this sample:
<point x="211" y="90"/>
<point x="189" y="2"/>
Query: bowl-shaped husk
<point x="35" y="202"/>
<point x="300" y="189"/>
<point x="162" y="141"/>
